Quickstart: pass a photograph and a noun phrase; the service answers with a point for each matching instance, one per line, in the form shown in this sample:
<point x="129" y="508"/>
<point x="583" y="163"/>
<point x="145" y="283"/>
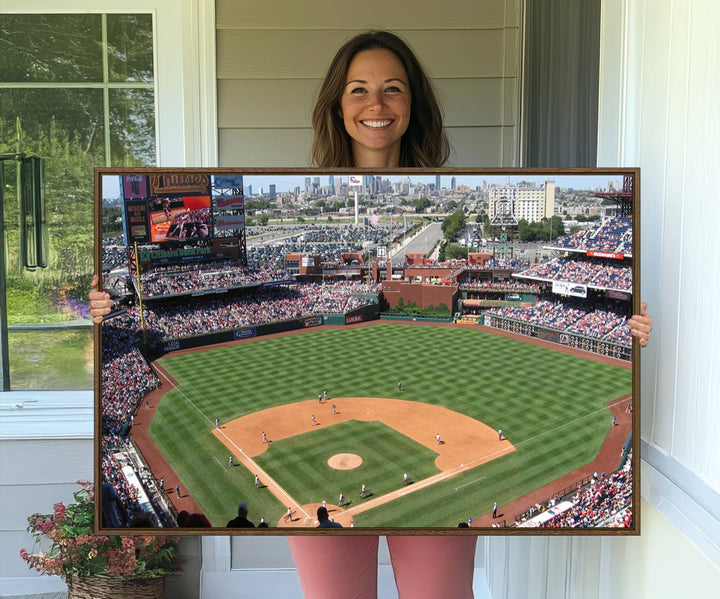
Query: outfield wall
<point x="597" y="346"/>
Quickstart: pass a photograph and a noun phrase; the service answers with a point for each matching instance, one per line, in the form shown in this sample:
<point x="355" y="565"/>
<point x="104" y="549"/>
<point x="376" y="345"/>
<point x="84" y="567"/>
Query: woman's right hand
<point x="100" y="302"/>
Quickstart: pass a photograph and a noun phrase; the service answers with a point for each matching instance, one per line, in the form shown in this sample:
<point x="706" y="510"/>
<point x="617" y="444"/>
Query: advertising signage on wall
<point x="298" y="334"/>
<point x="135" y="221"/>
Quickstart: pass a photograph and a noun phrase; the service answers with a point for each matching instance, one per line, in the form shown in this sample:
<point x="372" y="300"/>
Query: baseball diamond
<point x="464" y="383"/>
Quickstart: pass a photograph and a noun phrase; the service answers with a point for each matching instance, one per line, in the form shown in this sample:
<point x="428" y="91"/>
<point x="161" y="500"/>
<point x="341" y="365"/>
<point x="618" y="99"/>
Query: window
<point x="77" y="90"/>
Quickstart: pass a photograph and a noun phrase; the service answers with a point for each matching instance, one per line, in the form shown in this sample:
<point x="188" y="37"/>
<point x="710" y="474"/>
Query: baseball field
<point x="460" y="383"/>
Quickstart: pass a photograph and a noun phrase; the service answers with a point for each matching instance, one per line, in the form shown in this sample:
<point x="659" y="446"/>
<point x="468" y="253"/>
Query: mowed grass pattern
<point x="551" y="405"/>
<point x="299" y="464"/>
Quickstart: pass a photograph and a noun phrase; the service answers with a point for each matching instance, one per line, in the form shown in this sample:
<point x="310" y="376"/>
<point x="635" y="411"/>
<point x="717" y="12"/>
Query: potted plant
<point x="95" y="566"/>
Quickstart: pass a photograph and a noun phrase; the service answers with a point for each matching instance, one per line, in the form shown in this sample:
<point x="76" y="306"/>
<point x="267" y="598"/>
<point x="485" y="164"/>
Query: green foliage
<point x="66" y="357"/>
<point x="581" y="218"/>
<point x="413" y="308"/>
<point x="453" y="224"/>
<point x="541" y="230"/>
<point x="455" y="252"/>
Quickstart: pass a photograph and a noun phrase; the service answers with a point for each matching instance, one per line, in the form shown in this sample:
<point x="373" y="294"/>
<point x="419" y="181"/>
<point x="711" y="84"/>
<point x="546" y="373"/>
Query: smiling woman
<point x="377" y="107"/>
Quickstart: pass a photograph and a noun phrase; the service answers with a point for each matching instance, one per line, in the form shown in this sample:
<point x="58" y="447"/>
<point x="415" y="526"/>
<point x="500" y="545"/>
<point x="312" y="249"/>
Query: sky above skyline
<point x="284" y="183"/>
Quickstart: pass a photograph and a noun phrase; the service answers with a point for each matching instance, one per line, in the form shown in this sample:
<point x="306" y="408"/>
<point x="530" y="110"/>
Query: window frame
<point x="185" y="113"/>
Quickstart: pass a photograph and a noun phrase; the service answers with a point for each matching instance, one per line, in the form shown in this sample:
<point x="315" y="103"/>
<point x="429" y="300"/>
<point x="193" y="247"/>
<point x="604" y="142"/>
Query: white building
<point x="530" y="202"/>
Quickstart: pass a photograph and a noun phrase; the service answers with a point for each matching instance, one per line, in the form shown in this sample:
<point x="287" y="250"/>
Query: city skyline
<point x="289" y="183"/>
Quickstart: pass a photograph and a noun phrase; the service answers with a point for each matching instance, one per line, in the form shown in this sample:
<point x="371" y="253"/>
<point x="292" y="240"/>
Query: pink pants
<point x="345" y="567"/>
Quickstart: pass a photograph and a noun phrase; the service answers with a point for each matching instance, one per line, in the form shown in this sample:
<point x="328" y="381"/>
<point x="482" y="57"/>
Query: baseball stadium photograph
<point x="402" y="351"/>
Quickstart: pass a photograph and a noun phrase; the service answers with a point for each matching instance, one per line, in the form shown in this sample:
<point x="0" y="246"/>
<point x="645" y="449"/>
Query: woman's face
<point x="375" y="107"/>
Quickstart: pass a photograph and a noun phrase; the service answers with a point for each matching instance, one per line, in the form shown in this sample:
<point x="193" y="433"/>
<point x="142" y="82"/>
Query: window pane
<point x="52" y="359"/>
<point x="130" y="48"/>
<point x="132" y="127"/>
<point x="41" y="48"/>
<point x="65" y="127"/>
<point x="49" y="117"/>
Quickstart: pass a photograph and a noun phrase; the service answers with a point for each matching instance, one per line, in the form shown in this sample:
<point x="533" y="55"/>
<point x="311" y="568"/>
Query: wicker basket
<point x="116" y="587"/>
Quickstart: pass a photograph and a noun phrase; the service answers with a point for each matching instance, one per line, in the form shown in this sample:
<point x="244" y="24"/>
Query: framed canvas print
<point x="408" y="351"/>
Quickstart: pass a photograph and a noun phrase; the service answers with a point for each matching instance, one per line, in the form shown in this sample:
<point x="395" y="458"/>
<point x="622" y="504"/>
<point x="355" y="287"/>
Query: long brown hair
<point x="423" y="144"/>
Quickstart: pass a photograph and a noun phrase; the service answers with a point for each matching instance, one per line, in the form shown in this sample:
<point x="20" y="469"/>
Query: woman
<point x="377" y="108"/>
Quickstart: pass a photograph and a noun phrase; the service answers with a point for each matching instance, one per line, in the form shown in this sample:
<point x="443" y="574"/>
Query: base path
<point x="465" y="441"/>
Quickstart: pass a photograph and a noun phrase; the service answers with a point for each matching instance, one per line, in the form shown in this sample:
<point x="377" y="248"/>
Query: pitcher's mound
<point x="344" y="461"/>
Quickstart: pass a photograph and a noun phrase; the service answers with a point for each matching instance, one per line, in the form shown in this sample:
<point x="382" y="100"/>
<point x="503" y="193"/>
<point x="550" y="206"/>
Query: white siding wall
<point x="660" y="80"/>
<point x="271" y="57"/>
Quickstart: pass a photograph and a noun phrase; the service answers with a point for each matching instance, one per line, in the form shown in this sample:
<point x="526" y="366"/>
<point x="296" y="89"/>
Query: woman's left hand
<point x="641" y="325"/>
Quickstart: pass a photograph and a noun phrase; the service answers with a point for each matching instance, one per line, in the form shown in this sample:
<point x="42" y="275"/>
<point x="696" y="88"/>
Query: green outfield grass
<point x="551" y="405"/>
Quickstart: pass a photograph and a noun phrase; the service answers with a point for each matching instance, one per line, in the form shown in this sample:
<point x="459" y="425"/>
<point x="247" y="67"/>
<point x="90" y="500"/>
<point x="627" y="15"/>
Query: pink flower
<point x="128" y="543"/>
<point x="43" y="526"/>
<point x="59" y="512"/>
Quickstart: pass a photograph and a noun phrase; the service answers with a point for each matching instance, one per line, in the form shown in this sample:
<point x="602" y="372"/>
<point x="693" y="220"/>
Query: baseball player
<point x="334" y="409"/>
<point x="437" y="438"/>
<point x="405" y="478"/>
<point x="288" y="515"/>
<point x="257" y="481"/>
<point x="314" y="421"/>
<point x="230" y="462"/>
<point x="264" y="437"/>
<point x="341" y="499"/>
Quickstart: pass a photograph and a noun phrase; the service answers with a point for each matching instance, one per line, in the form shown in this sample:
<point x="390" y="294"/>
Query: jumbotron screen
<point x="179" y="207"/>
<point x="180" y="218"/>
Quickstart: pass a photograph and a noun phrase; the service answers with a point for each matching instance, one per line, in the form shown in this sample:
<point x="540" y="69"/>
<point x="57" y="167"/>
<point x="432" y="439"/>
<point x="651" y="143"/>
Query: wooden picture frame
<point x="303" y="344"/>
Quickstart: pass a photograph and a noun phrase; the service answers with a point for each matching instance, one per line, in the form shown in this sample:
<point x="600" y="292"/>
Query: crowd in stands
<point x="605" y="501"/>
<point x="114" y="253"/>
<point x="613" y="235"/>
<point x="180" y="279"/>
<point x="258" y="307"/>
<point x="600" y="324"/>
<point x="513" y="285"/>
<point x="587" y="272"/>
<point x="112" y="446"/>
<point x="573" y="317"/>
<point x="126" y="376"/>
